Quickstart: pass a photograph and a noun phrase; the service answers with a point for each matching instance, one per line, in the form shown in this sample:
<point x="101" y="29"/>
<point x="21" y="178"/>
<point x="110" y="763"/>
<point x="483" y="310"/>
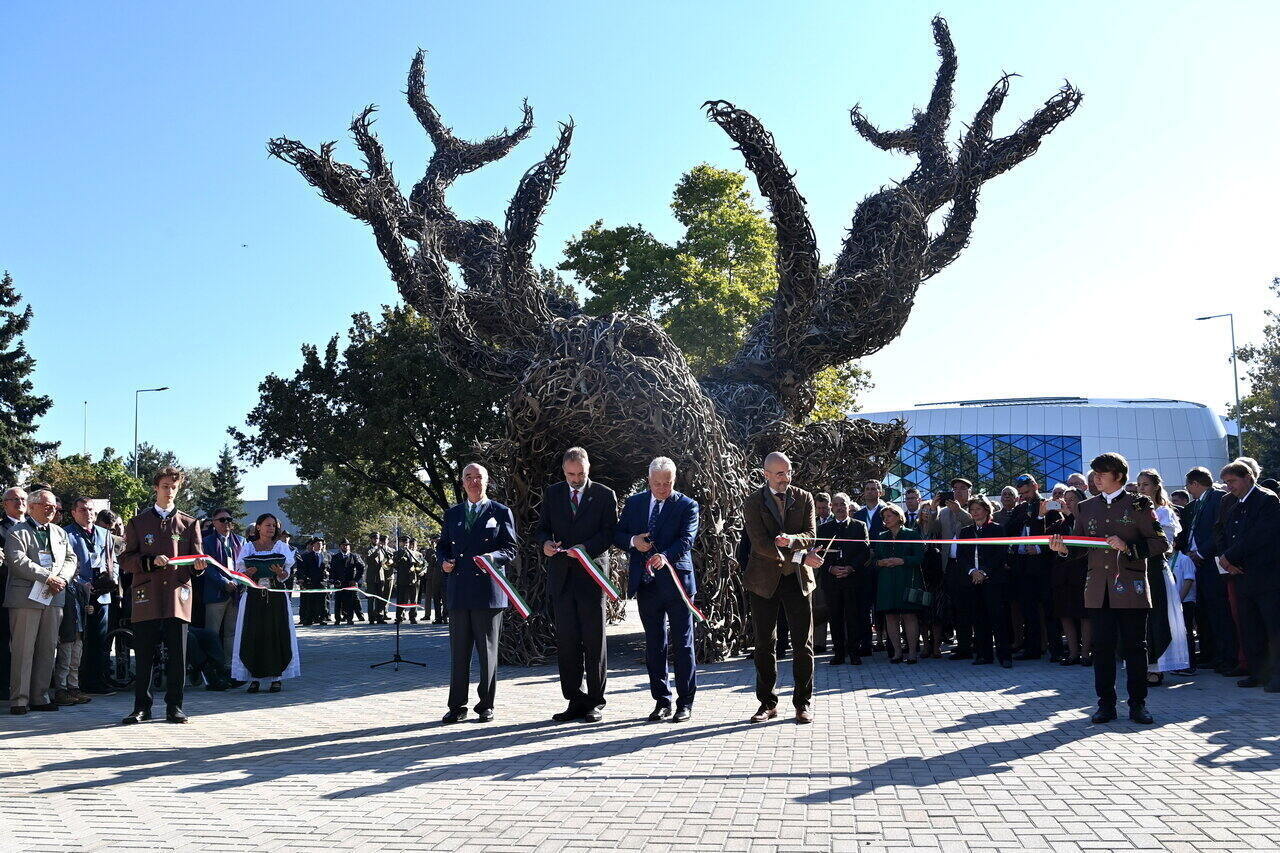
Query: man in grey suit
<point x="36" y="552"/>
<point x="15" y="512"/>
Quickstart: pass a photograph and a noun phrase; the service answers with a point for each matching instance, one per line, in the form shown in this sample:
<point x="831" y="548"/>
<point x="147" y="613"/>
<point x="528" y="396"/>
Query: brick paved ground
<point x="941" y="755"/>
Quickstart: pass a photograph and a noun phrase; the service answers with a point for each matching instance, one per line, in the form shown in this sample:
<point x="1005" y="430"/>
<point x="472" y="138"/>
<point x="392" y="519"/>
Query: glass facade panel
<point x="929" y="462"/>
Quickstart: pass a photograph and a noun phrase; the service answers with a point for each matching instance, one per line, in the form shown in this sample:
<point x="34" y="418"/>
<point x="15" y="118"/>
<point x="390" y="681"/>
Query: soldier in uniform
<point x="1115" y="592"/>
<point x="346" y="569"/>
<point x="406" y="564"/>
<point x="433" y="588"/>
<point x="313" y="571"/>
<point x="160" y="594"/>
<point x="377" y="577"/>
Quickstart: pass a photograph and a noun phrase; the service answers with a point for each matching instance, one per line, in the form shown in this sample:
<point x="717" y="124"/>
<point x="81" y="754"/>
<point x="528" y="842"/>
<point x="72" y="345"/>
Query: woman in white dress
<point x="266" y="647"/>
<point x="1166" y="629"/>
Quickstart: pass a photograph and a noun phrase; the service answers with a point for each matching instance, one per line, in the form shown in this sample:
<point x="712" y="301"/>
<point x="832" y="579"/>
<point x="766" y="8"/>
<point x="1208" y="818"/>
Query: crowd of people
<point x="1165" y="582"/>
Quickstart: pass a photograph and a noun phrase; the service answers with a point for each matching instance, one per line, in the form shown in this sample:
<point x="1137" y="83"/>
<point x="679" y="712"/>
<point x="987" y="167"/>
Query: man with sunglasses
<point x="15" y="513"/>
<point x="221" y="592"/>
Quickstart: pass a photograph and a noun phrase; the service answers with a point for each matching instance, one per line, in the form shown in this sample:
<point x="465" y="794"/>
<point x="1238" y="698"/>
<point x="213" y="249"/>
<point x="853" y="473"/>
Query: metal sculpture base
<point x="395" y="657"/>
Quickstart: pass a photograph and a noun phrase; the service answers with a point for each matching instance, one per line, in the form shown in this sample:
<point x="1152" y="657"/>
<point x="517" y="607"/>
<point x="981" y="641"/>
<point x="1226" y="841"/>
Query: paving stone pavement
<point x="943" y="755"/>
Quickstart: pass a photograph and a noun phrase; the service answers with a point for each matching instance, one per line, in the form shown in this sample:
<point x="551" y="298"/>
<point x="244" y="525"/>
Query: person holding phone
<point x="266" y="646"/>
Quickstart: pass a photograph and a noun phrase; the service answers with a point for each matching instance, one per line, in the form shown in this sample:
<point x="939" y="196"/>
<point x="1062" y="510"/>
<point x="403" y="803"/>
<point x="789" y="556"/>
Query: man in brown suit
<point x="780" y="525"/>
<point x="160" y="597"/>
<point x="1115" y="592"/>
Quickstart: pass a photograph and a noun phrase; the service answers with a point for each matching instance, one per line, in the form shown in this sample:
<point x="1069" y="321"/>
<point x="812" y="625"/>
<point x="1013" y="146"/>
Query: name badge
<point x="46" y="560"/>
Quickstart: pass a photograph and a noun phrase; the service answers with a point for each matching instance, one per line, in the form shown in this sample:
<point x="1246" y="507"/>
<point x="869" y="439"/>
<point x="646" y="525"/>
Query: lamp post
<point x="135" y="423"/>
<point x="1235" y="371"/>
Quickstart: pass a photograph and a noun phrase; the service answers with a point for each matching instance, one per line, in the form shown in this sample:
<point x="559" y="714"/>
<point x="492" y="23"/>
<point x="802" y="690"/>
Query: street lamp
<point x="135" y="423"/>
<point x="1235" y="370"/>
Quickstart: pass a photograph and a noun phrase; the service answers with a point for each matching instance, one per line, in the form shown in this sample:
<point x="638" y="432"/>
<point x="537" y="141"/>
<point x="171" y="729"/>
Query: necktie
<point x="653" y="516"/>
<point x="472" y="512"/>
<point x="781" y="502"/>
<point x="573" y="500"/>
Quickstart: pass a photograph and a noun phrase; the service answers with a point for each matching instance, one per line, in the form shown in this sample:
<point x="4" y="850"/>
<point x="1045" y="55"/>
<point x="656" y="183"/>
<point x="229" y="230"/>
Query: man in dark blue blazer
<point x="477" y="527"/>
<point x="657" y="529"/>
<point x="221" y="593"/>
<point x="1248" y="545"/>
<point x="578" y="513"/>
<point x="870" y="515"/>
<point x="1218" y="646"/>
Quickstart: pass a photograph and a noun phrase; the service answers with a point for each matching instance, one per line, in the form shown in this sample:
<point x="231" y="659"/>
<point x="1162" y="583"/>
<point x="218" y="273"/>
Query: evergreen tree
<point x="224" y="487"/>
<point x="19" y="408"/>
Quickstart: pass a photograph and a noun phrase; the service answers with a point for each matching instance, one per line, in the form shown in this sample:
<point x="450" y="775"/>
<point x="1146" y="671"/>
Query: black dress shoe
<point x="1235" y="672"/>
<point x="1138" y="714"/>
<point x="593" y="716"/>
<point x="659" y="712"/>
<point x="959" y="656"/>
<point x="254" y="688"/>
<point x="454" y="717"/>
<point x="486" y="716"/>
<point x="1249" y="681"/>
<point x="136" y="717"/>
<point x="48" y="706"/>
<point x="18" y="709"/>
<point x="573" y="712"/>
<point x="820" y="650"/>
<point x="682" y="713"/>
<point x="237" y="684"/>
<point x="836" y="661"/>
<point x="1103" y="715"/>
<point x="175" y="715"/>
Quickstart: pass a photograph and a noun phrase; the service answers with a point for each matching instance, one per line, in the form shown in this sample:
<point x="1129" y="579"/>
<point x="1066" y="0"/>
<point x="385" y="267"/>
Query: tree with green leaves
<point x="196" y="479"/>
<point x="1259" y="412"/>
<point x="709" y="287"/>
<point x="1008" y="461"/>
<point x="224" y="487"/>
<point x="330" y="505"/>
<point x="386" y="413"/>
<point x="78" y="475"/>
<point x="19" y="407"/>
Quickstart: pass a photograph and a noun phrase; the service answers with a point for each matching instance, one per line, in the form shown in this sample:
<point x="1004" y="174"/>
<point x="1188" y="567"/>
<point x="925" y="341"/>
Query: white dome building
<point x="1053" y="436"/>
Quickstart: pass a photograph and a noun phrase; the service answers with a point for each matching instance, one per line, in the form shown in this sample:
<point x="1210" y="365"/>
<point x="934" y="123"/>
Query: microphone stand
<point x="395" y="658"/>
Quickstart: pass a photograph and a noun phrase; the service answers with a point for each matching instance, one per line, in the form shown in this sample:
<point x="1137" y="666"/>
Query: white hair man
<point x="657" y="529"/>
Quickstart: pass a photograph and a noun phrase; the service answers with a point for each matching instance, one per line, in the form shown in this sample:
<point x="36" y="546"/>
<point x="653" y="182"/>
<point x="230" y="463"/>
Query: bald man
<point x="781" y="524"/>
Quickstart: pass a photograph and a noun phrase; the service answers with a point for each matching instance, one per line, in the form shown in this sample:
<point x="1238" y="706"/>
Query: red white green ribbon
<point x="241" y="577"/>
<point x="597" y="574"/>
<point x="1072" y="541"/>
<point x="520" y="605"/>
<point x="698" y="615"/>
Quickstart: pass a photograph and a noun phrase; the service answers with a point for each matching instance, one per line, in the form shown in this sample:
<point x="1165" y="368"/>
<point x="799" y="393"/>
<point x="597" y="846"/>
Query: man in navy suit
<point x="1212" y="605"/>
<point x="1248" y="546"/>
<point x="578" y="513"/>
<point x="477" y="527"/>
<point x="656" y="530"/>
<point x="221" y="593"/>
<point x="869" y="514"/>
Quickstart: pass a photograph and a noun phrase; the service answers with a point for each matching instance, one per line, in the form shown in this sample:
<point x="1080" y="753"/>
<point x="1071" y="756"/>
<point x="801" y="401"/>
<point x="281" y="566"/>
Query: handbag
<point x="919" y="596"/>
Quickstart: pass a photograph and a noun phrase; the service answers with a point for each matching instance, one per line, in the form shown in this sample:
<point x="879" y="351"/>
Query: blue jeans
<point x="667" y="623"/>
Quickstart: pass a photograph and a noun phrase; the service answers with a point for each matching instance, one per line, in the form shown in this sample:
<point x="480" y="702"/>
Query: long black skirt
<point x="1158" y="634"/>
<point x="266" y="648"/>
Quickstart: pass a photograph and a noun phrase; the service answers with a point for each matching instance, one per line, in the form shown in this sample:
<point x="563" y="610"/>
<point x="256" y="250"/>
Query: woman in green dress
<point x="898" y="582"/>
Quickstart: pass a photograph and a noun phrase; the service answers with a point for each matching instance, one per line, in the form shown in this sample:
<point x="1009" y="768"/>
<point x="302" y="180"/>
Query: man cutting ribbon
<point x="477" y="527"/>
<point x="578" y="513"/>
<point x="657" y="529"/>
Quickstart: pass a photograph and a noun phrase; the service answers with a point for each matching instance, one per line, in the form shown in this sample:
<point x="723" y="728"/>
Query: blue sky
<point x="160" y="246"/>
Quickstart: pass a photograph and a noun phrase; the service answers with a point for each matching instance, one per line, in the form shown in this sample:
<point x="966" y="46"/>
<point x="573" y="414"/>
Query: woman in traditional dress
<point x="899" y="584"/>
<point x="1066" y="581"/>
<point x="1166" y="630"/>
<point x="265" y="646"/>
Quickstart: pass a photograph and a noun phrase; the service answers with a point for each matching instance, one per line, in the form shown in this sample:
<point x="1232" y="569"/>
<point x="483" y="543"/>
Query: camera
<point x="945" y="497"/>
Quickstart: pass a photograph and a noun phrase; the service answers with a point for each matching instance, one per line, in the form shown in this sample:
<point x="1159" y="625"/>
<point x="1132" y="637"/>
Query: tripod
<point x="395" y="658"/>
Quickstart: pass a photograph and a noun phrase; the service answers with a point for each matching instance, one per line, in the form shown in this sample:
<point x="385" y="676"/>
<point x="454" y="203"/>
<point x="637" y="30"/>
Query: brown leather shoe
<point x="764" y="714"/>
<point x="803" y="715"/>
<point x="63" y="697"/>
